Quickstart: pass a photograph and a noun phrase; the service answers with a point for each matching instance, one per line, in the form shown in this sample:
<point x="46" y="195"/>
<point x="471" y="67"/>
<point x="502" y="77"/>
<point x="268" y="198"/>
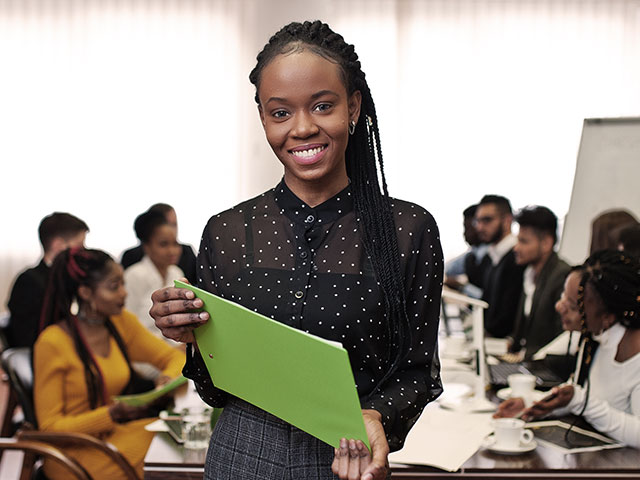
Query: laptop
<point x="545" y="377"/>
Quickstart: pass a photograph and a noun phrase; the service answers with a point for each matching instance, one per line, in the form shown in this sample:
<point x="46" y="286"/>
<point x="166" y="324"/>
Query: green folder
<point x="140" y="399"/>
<point x="300" y="378"/>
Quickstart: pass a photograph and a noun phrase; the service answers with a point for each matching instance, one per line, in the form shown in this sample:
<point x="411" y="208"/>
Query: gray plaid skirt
<point x="249" y="443"/>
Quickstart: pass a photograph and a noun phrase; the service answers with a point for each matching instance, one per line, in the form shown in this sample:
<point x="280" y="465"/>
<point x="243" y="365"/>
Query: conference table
<point x="167" y="460"/>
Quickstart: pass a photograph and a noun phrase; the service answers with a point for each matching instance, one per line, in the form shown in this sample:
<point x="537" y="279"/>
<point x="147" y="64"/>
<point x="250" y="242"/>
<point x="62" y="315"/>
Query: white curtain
<point x="108" y="106"/>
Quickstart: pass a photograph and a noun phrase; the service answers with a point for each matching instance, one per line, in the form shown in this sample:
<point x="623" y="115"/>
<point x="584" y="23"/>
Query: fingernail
<point x="197" y="302"/>
<point x="343" y="443"/>
<point x="190" y="294"/>
<point x="203" y="315"/>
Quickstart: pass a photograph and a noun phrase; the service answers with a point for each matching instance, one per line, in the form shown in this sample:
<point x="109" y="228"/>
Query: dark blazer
<point x="25" y="305"/>
<point x="502" y="286"/>
<point x="187" y="262"/>
<point x="543" y="323"/>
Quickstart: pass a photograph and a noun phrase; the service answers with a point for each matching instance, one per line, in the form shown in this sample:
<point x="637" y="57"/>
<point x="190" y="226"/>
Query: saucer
<point x="505" y="394"/>
<point x="489" y="443"/>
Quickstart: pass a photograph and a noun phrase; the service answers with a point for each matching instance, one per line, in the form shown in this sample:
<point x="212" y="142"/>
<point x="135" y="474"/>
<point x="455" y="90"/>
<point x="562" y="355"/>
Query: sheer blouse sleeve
<point x="417" y="381"/>
<point x="195" y="368"/>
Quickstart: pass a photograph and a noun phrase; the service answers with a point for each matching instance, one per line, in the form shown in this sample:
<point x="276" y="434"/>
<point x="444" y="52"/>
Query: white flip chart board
<point x="607" y="177"/>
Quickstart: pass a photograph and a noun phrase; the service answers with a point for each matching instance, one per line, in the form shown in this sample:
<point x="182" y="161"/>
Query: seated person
<point x="455" y="270"/>
<point x="629" y="240"/>
<point x="501" y="278"/>
<point x="156" y="270"/>
<point x="187" y="261"/>
<point x="606" y="227"/>
<point x="608" y="301"/>
<point x="83" y="358"/>
<point x="57" y="232"/>
<point x="537" y="322"/>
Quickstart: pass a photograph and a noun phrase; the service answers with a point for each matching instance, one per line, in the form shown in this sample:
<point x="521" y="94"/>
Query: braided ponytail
<point x="372" y="203"/>
<point x="615" y="277"/>
<point x="71" y="269"/>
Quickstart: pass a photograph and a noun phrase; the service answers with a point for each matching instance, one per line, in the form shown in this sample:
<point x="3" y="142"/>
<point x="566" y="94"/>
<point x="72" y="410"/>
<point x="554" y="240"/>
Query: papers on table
<point x="303" y="379"/>
<point x="141" y="399"/>
<point x="443" y="438"/>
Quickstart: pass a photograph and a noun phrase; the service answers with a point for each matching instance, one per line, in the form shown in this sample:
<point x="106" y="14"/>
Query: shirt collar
<point x="500" y="249"/>
<point x="299" y="212"/>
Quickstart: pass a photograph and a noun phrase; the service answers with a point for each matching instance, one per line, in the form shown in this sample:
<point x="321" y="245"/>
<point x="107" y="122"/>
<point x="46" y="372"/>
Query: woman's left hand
<point x="353" y="460"/>
<point x="559" y="397"/>
<point x="161" y="380"/>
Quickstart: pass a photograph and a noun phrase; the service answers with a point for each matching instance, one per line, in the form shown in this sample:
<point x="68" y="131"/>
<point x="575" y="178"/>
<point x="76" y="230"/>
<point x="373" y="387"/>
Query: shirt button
<point x="299" y="294"/>
<point x="310" y="219"/>
<point x="303" y="254"/>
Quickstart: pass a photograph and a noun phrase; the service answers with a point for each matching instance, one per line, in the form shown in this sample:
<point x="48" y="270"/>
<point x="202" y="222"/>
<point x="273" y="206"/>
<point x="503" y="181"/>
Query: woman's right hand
<point x="122" y="413"/>
<point x="173" y="313"/>
<point x="510" y="408"/>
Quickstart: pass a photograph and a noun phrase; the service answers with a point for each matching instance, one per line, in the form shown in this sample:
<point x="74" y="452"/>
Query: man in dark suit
<point x="57" y="232"/>
<point x="499" y="276"/>
<point x="187" y="262"/>
<point x="537" y="322"/>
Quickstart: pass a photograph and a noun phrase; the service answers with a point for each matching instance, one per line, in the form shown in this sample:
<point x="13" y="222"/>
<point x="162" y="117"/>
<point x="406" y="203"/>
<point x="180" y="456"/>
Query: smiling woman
<point x="305" y="110"/>
<point x="326" y="251"/>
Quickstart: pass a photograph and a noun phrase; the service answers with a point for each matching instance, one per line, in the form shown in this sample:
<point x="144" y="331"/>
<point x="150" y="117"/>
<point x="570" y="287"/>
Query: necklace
<point x="94" y="322"/>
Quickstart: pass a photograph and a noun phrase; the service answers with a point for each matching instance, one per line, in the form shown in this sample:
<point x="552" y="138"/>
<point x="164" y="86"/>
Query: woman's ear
<point x="354" y="103"/>
<point x="608" y="319"/>
<point x="84" y="292"/>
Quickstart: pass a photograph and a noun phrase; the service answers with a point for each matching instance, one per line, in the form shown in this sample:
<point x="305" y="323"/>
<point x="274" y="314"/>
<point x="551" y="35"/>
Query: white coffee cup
<point x="510" y="433"/>
<point x="456" y="344"/>
<point x="522" y="385"/>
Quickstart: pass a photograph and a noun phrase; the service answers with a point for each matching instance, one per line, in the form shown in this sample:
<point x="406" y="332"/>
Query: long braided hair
<point x="614" y="277"/>
<point x="71" y="269"/>
<point x="363" y="155"/>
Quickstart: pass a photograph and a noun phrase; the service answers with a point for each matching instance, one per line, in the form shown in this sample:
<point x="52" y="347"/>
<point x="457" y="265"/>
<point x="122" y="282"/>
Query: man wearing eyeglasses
<point x="501" y="281"/>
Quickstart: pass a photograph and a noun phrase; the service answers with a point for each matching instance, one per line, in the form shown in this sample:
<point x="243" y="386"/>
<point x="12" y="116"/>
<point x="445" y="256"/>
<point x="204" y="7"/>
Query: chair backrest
<point x="5" y="317"/>
<point x="16" y="362"/>
<point x="33" y="449"/>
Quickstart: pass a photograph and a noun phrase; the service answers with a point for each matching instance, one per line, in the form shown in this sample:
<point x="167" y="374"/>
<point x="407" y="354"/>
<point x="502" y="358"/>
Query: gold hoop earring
<point x="352" y="127"/>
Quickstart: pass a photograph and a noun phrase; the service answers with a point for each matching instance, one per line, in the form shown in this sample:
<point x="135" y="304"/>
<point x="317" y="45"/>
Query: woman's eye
<point x="279" y="114"/>
<point x="322" y="107"/>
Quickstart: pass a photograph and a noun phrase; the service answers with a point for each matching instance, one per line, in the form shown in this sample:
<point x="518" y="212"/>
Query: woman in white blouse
<point x="157" y="269"/>
<point x="607" y="298"/>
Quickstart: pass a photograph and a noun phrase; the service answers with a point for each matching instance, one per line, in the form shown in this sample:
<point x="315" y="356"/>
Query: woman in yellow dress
<point x="83" y="358"/>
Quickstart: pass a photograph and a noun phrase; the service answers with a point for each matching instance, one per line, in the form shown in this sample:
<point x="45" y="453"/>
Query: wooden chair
<point x="16" y="362"/>
<point x="32" y="450"/>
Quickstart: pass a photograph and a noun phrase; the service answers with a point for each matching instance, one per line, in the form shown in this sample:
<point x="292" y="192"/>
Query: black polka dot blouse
<point x="306" y="267"/>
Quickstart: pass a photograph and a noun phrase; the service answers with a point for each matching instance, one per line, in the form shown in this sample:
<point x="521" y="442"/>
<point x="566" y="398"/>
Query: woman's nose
<point x="304" y="125"/>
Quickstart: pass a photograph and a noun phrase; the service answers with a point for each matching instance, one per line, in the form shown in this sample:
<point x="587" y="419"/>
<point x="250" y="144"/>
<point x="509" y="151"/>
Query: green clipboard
<point x="141" y="399"/>
<point x="300" y="378"/>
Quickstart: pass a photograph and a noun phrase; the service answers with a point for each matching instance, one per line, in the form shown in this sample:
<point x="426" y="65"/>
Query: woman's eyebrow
<point x="276" y="99"/>
<point x="314" y="96"/>
<point x="321" y="93"/>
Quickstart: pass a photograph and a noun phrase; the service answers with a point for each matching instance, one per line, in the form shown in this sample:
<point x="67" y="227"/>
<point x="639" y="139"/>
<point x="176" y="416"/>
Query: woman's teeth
<point x="307" y="153"/>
